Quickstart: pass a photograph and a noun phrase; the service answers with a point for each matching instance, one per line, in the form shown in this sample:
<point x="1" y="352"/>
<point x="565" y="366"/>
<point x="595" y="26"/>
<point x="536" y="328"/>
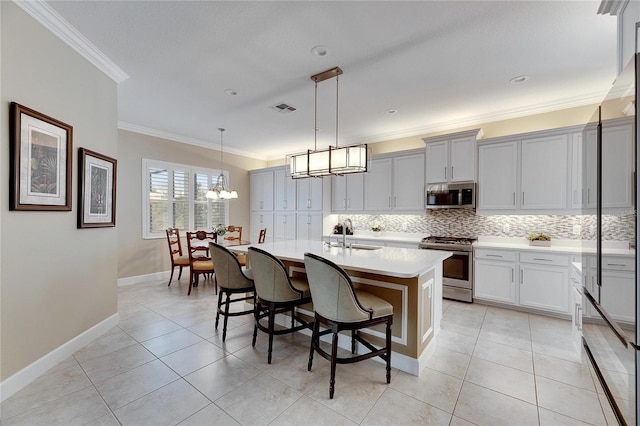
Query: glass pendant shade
<point x="221" y="189"/>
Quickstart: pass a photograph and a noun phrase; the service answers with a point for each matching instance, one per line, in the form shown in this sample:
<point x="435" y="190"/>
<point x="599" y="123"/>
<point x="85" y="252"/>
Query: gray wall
<point x="56" y="281"/>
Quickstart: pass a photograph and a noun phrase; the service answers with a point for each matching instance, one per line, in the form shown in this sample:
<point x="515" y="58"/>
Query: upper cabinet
<point x="451" y="158"/>
<point x="309" y="194"/>
<point x="261" y="183"/>
<point x="285" y="190"/>
<point x="394" y="183"/>
<point x="347" y="193"/>
<point x="497" y="176"/>
<point x="544" y="173"/>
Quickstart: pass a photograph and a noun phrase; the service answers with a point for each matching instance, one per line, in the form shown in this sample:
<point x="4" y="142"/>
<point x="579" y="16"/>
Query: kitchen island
<point x="409" y="279"/>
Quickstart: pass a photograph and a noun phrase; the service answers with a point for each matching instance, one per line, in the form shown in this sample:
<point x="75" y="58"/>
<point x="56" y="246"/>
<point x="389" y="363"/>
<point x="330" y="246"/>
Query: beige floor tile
<point x="221" y="377"/>
<point x="519" y="338"/>
<point x="118" y="362"/>
<point x="258" y="401"/>
<point x="505" y="355"/>
<point x="457" y="421"/>
<point x="135" y="319"/>
<point x="237" y="338"/>
<point x="395" y="408"/>
<point x="570" y="401"/>
<point x="106" y="420"/>
<point x="166" y="406"/>
<point x="437" y="389"/>
<point x="46" y="388"/>
<point x="211" y="415"/>
<point x="499" y="378"/>
<point x="78" y="408"/>
<point x="449" y="362"/>
<point x="454" y="341"/>
<point x="193" y="357"/>
<point x="164" y="345"/>
<point x="66" y="363"/>
<point x="126" y="387"/>
<point x="571" y="373"/>
<point x="154" y="329"/>
<point x="551" y="418"/>
<point x="113" y="340"/>
<point x="483" y="406"/>
<point x="305" y="411"/>
<point x="292" y="371"/>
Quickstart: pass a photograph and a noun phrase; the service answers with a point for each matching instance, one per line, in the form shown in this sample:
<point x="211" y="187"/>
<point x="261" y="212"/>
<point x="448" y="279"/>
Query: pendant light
<point x="334" y="160"/>
<point x="221" y="189"/>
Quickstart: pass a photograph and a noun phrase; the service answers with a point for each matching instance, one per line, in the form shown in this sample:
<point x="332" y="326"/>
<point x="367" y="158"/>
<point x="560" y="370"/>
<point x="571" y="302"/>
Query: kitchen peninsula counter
<point x="410" y="279"/>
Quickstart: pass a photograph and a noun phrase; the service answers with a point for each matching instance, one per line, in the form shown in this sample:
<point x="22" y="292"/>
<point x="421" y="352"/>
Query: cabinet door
<point x="578" y="184"/>
<point x="590" y="175"/>
<point x="463" y="156"/>
<point x="261" y="191"/>
<point x="284" y="226"/>
<point x="617" y="166"/>
<point x="285" y="190"/>
<point x="495" y="281"/>
<point x="310" y="194"/>
<point x="378" y="185"/>
<point x="309" y="226"/>
<point x="497" y="176"/>
<point x="260" y="220"/>
<point x="544" y="173"/>
<point x="544" y="288"/>
<point x="338" y="193"/>
<point x="437" y="162"/>
<point x="408" y="187"/>
<point x="355" y="192"/>
<point x="617" y="295"/>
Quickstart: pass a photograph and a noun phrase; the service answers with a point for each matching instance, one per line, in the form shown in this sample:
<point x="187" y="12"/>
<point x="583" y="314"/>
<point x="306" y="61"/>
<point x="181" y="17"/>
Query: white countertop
<point x="399" y="237"/>
<point x="614" y="248"/>
<point x="391" y="261"/>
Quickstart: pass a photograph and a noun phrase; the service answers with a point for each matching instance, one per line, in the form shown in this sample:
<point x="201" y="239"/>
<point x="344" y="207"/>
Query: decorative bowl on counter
<point x="540" y="239"/>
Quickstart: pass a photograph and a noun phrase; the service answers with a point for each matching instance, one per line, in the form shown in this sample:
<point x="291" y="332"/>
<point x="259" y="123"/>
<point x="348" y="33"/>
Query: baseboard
<point x="22" y="378"/>
<point x="138" y="279"/>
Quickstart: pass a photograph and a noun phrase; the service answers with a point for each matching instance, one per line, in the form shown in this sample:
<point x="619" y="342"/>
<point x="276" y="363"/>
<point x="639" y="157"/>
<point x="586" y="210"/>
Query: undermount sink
<point x="357" y="246"/>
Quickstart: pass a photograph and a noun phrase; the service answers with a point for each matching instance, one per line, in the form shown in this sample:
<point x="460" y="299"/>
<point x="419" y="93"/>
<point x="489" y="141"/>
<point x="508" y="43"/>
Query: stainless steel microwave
<point x="451" y="196"/>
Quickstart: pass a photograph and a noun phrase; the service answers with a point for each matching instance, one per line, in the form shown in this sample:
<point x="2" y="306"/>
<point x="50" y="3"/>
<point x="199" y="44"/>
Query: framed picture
<point x="40" y="161"/>
<point x="96" y="190"/>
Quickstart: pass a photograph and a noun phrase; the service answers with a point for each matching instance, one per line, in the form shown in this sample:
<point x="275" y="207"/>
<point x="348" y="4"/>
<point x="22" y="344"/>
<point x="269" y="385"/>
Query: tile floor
<point x="165" y="364"/>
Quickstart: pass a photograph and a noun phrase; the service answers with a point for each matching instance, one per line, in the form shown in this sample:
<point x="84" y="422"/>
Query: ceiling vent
<point x="283" y="108"/>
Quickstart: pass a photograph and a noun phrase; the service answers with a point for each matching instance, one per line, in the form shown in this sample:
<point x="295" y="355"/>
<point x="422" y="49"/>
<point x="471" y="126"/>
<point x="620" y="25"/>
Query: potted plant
<point x="539" y="239"/>
<point x="376" y="228"/>
<point x="220" y="229"/>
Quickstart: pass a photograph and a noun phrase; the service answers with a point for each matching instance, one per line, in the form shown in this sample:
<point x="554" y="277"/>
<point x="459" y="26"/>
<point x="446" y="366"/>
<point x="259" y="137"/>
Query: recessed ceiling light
<point x="392" y="111"/>
<point x="231" y="92"/>
<point x="319" y="50"/>
<point x="519" y="79"/>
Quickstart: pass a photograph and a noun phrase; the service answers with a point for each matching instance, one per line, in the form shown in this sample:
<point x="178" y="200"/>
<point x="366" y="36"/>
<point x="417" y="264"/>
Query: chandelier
<point x="221" y="189"/>
<point x="335" y="160"/>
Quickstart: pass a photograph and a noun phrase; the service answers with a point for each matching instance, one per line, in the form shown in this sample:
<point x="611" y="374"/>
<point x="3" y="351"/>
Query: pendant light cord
<point x="337" y="78"/>
<point x="315" y="120"/>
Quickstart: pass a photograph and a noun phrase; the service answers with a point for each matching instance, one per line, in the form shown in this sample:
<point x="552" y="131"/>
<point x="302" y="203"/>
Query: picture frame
<point x="96" y="189"/>
<point x="40" y="161"/>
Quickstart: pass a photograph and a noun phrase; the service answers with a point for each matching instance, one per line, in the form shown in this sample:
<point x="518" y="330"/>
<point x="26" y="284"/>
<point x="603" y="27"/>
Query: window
<point x="174" y="196"/>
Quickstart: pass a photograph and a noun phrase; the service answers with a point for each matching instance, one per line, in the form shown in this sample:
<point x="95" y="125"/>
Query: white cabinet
<point x="544" y="173"/>
<point x="347" y="193"/>
<point x="285" y="190"/>
<point x="617" y="165"/>
<point x="577" y="188"/>
<point x="497" y="176"/>
<point x="494" y="276"/>
<point x="309" y="226"/>
<point x="284" y="226"/>
<point x="617" y="292"/>
<point x="395" y="184"/>
<point x="309" y="194"/>
<point x="261" y="220"/>
<point x="261" y="190"/>
<point x="451" y="158"/>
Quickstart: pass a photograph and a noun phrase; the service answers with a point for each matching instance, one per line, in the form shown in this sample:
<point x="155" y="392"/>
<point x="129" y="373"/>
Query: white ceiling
<point x="440" y="64"/>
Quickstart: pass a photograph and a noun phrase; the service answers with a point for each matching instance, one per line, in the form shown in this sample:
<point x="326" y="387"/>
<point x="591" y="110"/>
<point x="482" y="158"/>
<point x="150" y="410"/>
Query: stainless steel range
<point x="457" y="270"/>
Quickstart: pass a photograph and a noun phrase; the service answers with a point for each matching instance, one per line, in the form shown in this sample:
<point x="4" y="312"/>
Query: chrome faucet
<point x="344" y="231"/>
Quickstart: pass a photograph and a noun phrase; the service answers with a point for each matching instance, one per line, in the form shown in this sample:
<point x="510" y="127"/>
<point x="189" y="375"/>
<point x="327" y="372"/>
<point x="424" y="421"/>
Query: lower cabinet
<point x="309" y="226"/>
<point x="494" y="281"/>
<point x="260" y="221"/>
<point x="284" y="226"/>
<point x="544" y="287"/>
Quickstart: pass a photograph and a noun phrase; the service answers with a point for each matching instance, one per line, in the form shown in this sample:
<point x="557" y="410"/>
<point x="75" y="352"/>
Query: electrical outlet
<point x="506" y="227"/>
<point x="405" y="227"/>
<point x="592" y="229"/>
<point x="577" y="229"/>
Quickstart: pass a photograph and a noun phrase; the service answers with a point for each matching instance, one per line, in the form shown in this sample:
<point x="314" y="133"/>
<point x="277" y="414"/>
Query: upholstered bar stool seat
<point x="276" y="293"/>
<point x="339" y="306"/>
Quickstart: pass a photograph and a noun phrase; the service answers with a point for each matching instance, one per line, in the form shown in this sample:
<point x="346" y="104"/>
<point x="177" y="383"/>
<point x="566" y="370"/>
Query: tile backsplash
<point x="465" y="223"/>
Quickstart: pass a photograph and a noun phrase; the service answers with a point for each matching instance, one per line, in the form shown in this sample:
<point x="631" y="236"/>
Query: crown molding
<point x="51" y="20"/>
<point x="129" y="127"/>
<point x="612" y="7"/>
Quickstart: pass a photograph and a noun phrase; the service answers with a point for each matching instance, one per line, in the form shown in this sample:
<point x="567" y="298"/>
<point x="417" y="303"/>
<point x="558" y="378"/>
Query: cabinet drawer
<point x="505" y="255"/>
<point x="616" y="263"/>
<point x="544" y="259"/>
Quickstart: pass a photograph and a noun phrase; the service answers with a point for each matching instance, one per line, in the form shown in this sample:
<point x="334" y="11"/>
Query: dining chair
<point x="340" y="306"/>
<point x="236" y="230"/>
<point x="175" y="252"/>
<point x="262" y="235"/>
<point x="276" y="293"/>
<point x="232" y="280"/>
<point x="199" y="259"/>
